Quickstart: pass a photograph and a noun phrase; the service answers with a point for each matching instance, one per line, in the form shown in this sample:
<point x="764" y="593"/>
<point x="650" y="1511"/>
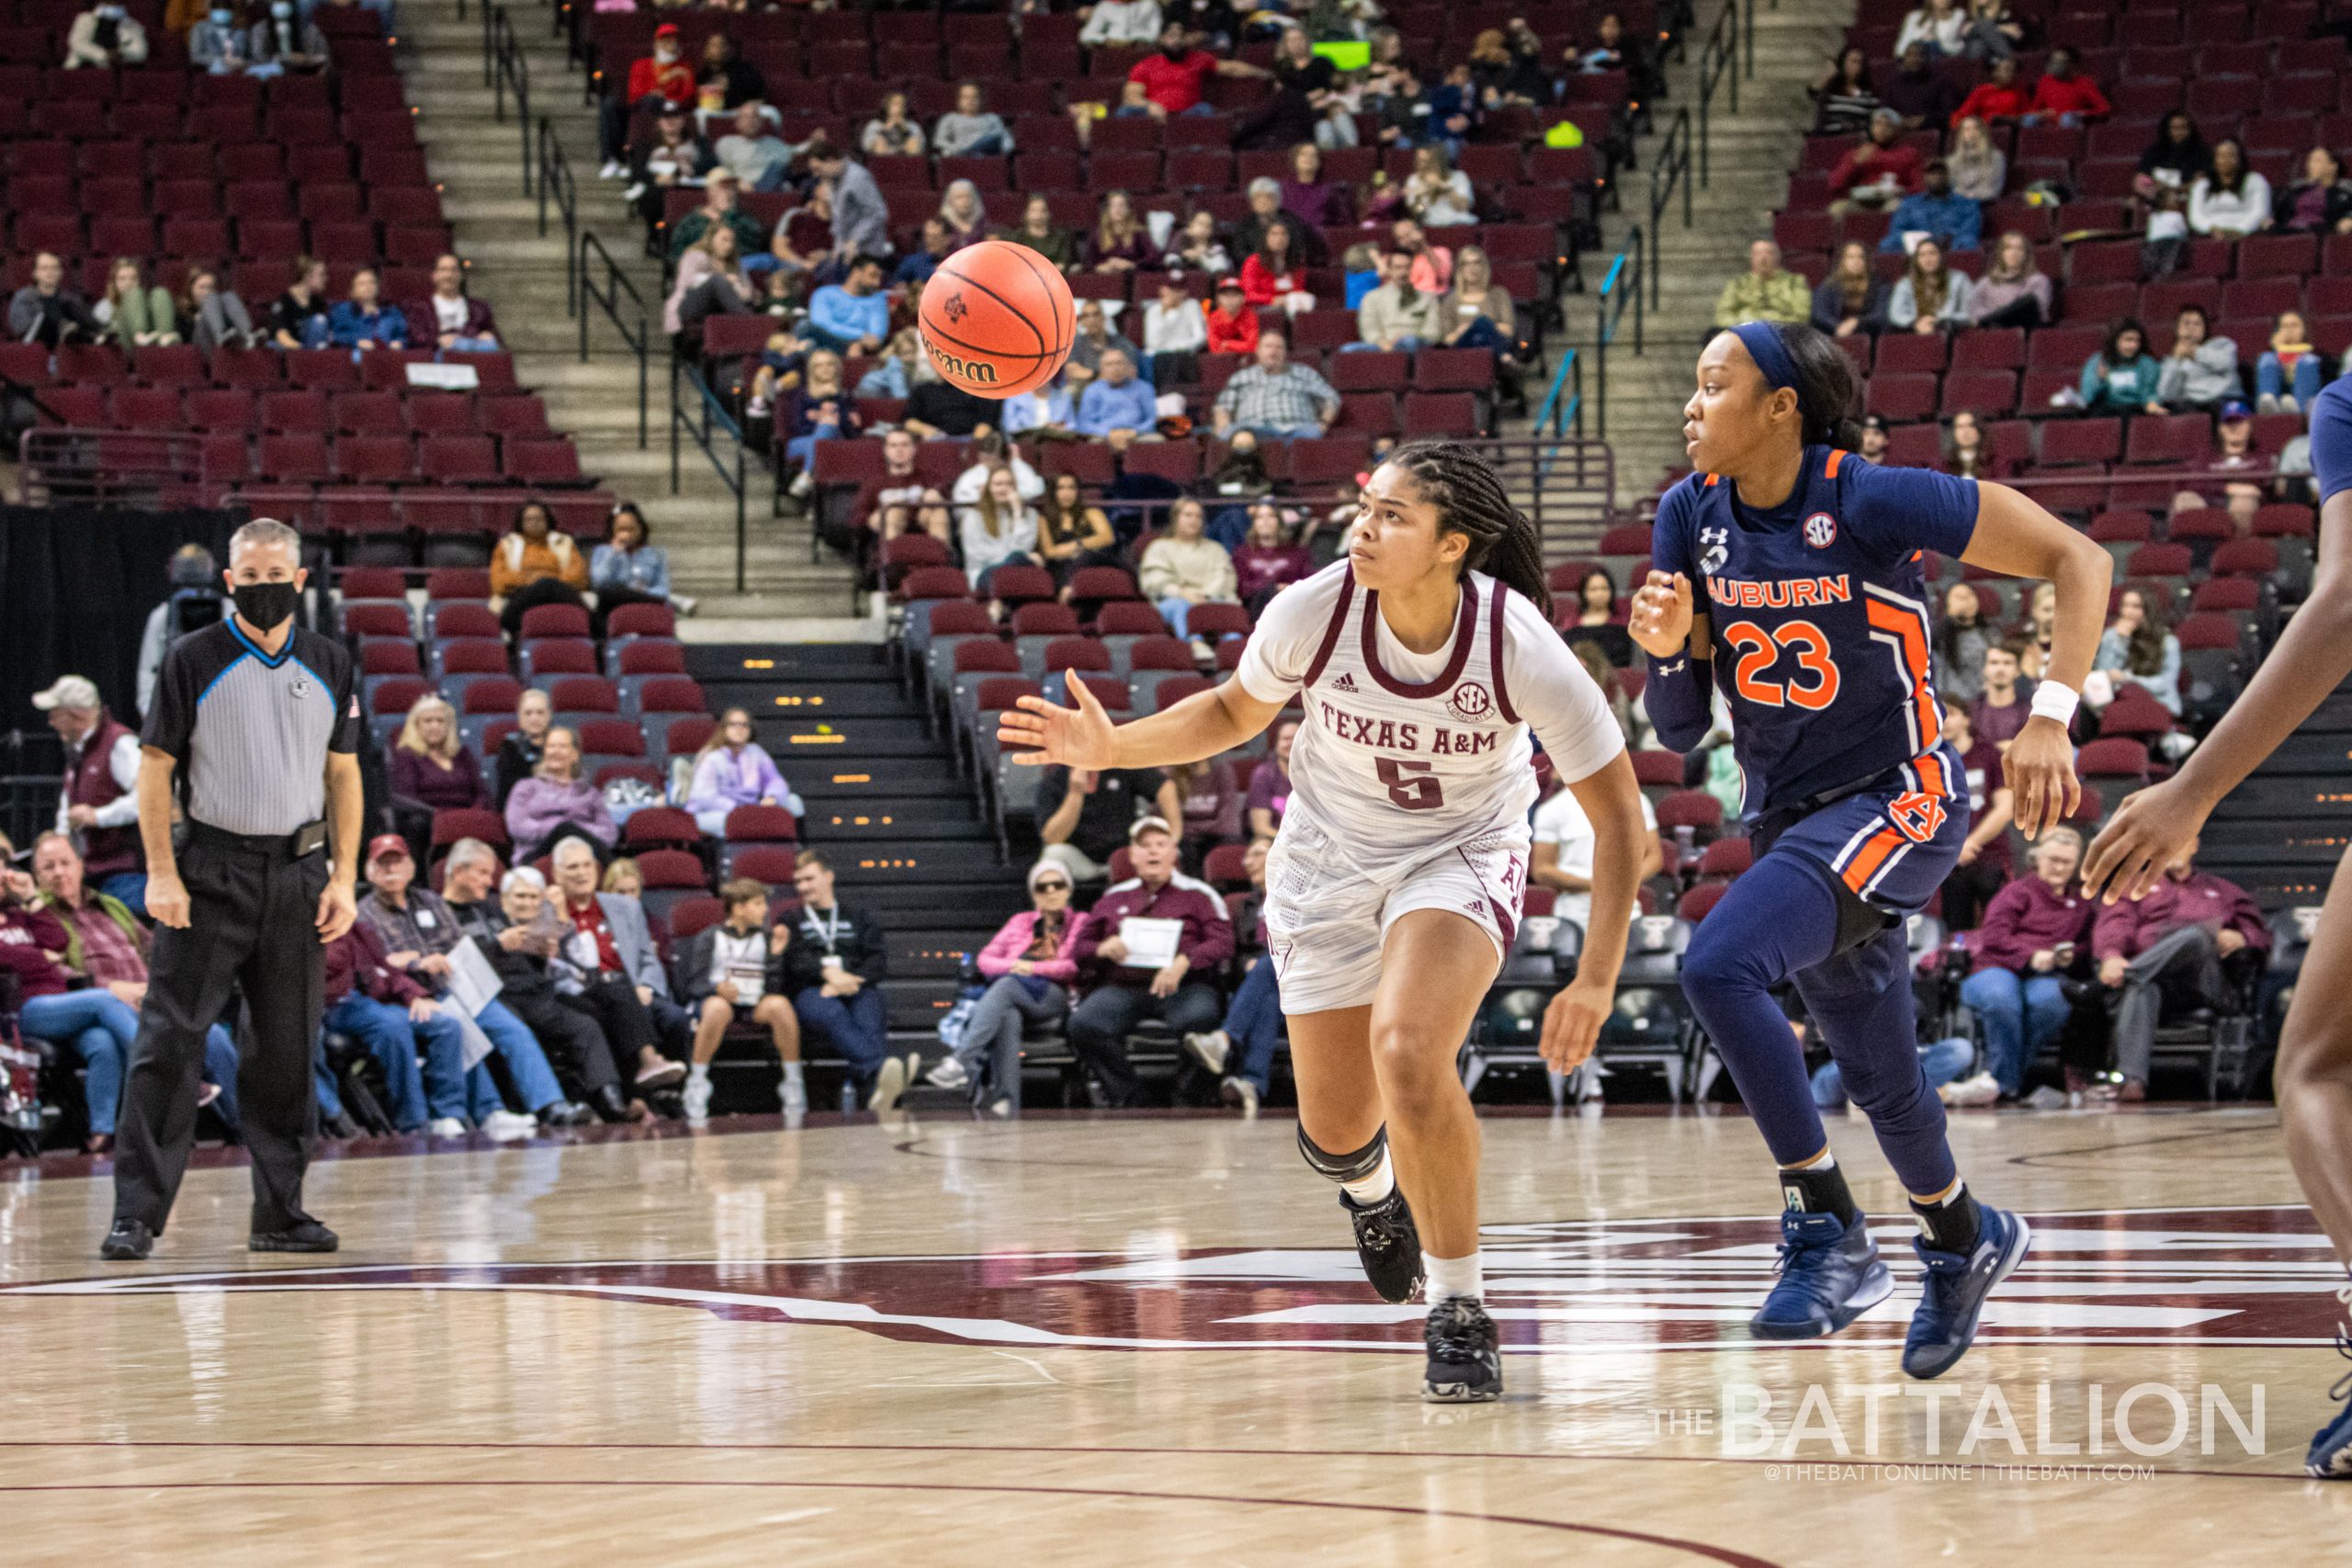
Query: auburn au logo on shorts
<point x="1820" y="530"/>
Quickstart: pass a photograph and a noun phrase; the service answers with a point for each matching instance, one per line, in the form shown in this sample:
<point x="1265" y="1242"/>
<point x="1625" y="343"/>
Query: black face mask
<point x="265" y="604"/>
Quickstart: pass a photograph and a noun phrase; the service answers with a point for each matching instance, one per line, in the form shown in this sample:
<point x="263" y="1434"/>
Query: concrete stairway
<point x="479" y="163"/>
<point x="1750" y="155"/>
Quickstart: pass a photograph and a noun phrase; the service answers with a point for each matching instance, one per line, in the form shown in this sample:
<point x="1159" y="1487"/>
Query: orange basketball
<point x="997" y="319"/>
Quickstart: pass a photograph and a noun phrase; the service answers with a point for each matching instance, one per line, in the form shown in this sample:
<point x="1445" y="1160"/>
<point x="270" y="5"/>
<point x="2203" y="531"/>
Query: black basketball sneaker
<point x="1465" y="1368"/>
<point x="1388" y="1244"/>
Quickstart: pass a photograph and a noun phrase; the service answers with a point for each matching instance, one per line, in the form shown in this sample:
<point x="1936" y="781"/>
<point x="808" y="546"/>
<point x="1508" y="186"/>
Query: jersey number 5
<point x="1410" y="785"/>
<point x="1815" y="683"/>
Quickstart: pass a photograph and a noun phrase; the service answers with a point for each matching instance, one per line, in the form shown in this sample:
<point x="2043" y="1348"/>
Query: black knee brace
<point x="1343" y="1167"/>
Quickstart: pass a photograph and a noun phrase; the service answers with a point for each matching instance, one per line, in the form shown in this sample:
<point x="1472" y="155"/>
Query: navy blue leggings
<point x="1779" y="922"/>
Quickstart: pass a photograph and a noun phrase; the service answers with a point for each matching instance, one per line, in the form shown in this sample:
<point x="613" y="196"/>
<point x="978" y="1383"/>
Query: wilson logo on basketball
<point x="2240" y="1277"/>
<point x="971" y="371"/>
<point x="1820" y="530"/>
<point x="1470" y="702"/>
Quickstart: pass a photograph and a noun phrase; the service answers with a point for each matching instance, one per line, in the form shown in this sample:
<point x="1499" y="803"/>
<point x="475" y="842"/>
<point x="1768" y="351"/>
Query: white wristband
<point x="2051" y="700"/>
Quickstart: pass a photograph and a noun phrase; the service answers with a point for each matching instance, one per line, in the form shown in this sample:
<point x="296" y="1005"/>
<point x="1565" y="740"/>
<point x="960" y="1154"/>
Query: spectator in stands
<point x="1610" y="49"/>
<point x="1275" y="397"/>
<point x="1027" y="968"/>
<point x="1436" y="194"/>
<point x="216" y="317"/>
<point x="835" y="962"/>
<point x="1845" y="96"/>
<point x="820" y="409"/>
<point x="2033" y="930"/>
<point x="2231" y="200"/>
<point x="1765" y="292"/>
<point x="555" y="803"/>
<point x="915" y="269"/>
<point x="1254" y="1019"/>
<point x="1270" y="783"/>
<point x="1852" y="299"/>
<point x="1561" y="855"/>
<point x="1507" y="71"/>
<point x="47" y="313"/>
<point x="1952" y="220"/>
<point x="1233" y="326"/>
<point x="735" y="970"/>
<point x="2234" y="452"/>
<point x="675" y="157"/>
<point x="1594" y="619"/>
<point x="1264" y="196"/>
<point x="938" y="408"/>
<point x="2201" y="372"/>
<point x="1175" y="332"/>
<point x="520" y="752"/>
<point x="1984" y="864"/>
<point x="1072" y="535"/>
<point x="1880" y="172"/>
<point x="606" y="959"/>
<point x="1940" y="27"/>
<point x="970" y="130"/>
<point x="298" y="318"/>
<point x="2005" y="698"/>
<point x="397" y="1022"/>
<point x="2175" y="160"/>
<point x="1979" y="170"/>
<point x="535" y="563"/>
<point x="134" y="313"/>
<point x="1310" y="198"/>
<point x="106" y="35"/>
<point x="2171" y="950"/>
<point x="1199" y="247"/>
<point x="1094" y="338"/>
<point x="1923" y="96"/>
<point x="284" y="41"/>
<point x="853" y="315"/>
<point x="1173" y="78"/>
<point x="2121" y="377"/>
<point x="1041" y="413"/>
<point x="755" y="155"/>
<point x="431" y="770"/>
<point x="97" y="796"/>
<point x="2013" y="292"/>
<point x="722" y="208"/>
<point x="1277" y="273"/>
<point x="218" y="45"/>
<point x="451" y="318"/>
<point x="802" y="241"/>
<point x="989" y="453"/>
<point x="627" y="569"/>
<point x="731" y="770"/>
<point x="1395" y="316"/>
<point x="2319" y="203"/>
<point x="1184" y="567"/>
<point x="1929" y="297"/>
<point x="861" y="216"/>
<point x="418" y="932"/>
<point x="1121" y="22"/>
<point x="739" y="81"/>
<point x="1038" y="231"/>
<point x="714" y="279"/>
<point x="901" y="500"/>
<point x="893" y="133"/>
<point x="1966" y="454"/>
<point x="965" y="214"/>
<point x="1119" y="242"/>
<point x="1993" y="30"/>
<point x="519" y="933"/>
<point x="2064" y="97"/>
<point x="2287" y="377"/>
<point x="2041" y="624"/>
<point x="1961" y="637"/>
<point x="1872" y="447"/>
<point x="663" y="75"/>
<point x="1999" y="99"/>
<point x="2138" y="648"/>
<point x="1084" y="814"/>
<point x="362" y="323"/>
<point x="195" y="601"/>
<point x="624" y="877"/>
<point x="999" y="526"/>
<point x="1269" y="560"/>
<point x="1117" y="407"/>
<point x="1305" y="90"/>
<point x="1120" y="995"/>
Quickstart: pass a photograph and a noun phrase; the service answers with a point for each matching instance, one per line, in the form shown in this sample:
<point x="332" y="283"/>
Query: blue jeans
<point x="2021" y="1013"/>
<point x="130" y="886"/>
<point x="990" y="1049"/>
<point x="2270" y="378"/>
<point x="475" y="345"/>
<point x="802" y="448"/>
<point x="1942" y="1062"/>
<point x="1254" y="1021"/>
<point x="98" y="1027"/>
<point x="330" y="1097"/>
<point x="858" y="1027"/>
<point x="1173" y="610"/>
<point x="1408" y="344"/>
<point x="527" y="1062"/>
<point x="1311" y="429"/>
<point x="393" y="1039"/>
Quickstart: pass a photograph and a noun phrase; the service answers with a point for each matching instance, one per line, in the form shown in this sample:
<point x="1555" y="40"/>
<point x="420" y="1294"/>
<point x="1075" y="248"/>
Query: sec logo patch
<point x="1820" y="530"/>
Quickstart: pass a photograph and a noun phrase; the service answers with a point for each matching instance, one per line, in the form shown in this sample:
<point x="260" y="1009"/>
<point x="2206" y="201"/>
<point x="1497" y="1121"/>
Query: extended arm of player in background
<point x="2312" y="658"/>
<point x="1200" y="727"/>
<point x="1612" y="797"/>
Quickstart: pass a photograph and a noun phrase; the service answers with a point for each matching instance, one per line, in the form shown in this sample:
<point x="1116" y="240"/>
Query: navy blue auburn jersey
<point x="1818" y="616"/>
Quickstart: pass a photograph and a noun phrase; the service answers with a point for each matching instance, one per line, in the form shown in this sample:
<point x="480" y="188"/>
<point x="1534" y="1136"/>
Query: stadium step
<point x="712" y="662"/>
<point x="855" y="782"/>
<point x="898" y="821"/>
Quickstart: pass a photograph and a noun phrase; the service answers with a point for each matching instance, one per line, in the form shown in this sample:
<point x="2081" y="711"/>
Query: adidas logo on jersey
<point x="1346" y="682"/>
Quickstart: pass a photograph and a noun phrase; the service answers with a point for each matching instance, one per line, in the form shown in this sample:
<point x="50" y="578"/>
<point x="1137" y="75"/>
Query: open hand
<point x="1663" y="610"/>
<point x="2040" y="768"/>
<point x="1042" y="732"/>
<point x="2147" y="833"/>
<point x="1572" y="1023"/>
<point x="338" y="907"/>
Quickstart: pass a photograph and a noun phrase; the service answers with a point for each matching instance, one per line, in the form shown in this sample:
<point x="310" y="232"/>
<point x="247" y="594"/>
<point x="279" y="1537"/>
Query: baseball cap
<point x="672" y="107"/>
<point x="667" y="29"/>
<point x="386" y="846"/>
<point x="721" y="175"/>
<point x="1874" y="422"/>
<point x="70" y="692"/>
<point x="1229" y="281"/>
<point x="1149" y="824"/>
<point x="2234" y="408"/>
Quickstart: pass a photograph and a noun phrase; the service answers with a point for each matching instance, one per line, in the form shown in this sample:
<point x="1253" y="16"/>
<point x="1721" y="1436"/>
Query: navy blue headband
<point x="1764" y="347"/>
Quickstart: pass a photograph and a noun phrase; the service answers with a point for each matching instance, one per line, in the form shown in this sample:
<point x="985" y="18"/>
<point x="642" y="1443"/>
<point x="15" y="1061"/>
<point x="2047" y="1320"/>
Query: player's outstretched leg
<point x="1778" y="920"/>
<point x="1861" y="1002"/>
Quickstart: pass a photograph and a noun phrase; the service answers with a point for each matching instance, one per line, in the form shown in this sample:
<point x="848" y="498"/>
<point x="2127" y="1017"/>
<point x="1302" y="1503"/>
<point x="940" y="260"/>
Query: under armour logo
<point x="1677" y="667"/>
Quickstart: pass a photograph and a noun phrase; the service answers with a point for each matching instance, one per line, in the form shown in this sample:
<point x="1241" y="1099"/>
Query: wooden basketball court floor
<point x="1108" y="1340"/>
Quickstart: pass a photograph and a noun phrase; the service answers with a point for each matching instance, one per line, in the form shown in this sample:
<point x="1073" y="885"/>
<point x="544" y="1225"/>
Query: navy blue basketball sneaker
<point x="2330" y="1455"/>
<point x="1830" y="1275"/>
<point x="1956" y="1286"/>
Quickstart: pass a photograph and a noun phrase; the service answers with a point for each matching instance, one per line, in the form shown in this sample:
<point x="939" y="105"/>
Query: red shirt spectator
<point x="664" y="73"/>
<point x="1994" y="101"/>
<point x="1173" y="82"/>
<point x="1233" y="325"/>
<point x="2069" y="94"/>
<point x="1207" y="939"/>
<point x="1871" y="163"/>
<point x="27" y="937"/>
<point x="356" y="959"/>
<point x="2030" y="917"/>
<point x="2128" y="927"/>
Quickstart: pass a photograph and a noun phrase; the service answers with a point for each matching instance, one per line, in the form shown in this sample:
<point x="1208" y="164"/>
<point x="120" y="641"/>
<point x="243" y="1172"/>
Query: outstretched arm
<point x="1201" y="726"/>
<point x="1613" y="799"/>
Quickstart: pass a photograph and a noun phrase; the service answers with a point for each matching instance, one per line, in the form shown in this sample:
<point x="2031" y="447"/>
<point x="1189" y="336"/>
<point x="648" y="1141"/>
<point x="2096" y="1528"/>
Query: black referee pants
<point x="253" y="913"/>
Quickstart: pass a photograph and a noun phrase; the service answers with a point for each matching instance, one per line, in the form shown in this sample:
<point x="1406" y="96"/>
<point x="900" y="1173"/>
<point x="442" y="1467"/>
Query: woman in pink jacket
<point x="1029" y="966"/>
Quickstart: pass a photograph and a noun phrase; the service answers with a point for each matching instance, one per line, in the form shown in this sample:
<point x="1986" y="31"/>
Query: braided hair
<point x="1470" y="501"/>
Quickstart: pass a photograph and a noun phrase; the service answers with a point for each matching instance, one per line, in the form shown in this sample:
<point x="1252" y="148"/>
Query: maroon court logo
<point x="2222" y="1276"/>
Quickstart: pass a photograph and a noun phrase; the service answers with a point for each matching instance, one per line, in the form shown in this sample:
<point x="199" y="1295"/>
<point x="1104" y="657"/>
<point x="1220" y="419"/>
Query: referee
<point x="256" y="723"/>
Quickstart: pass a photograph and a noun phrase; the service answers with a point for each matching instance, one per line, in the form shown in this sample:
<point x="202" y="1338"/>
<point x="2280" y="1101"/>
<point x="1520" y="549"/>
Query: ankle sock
<point x="1374" y="1186"/>
<point x="1452" y="1277"/>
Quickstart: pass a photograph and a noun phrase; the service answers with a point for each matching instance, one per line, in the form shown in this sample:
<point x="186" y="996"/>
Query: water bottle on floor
<point x="849" y="1096"/>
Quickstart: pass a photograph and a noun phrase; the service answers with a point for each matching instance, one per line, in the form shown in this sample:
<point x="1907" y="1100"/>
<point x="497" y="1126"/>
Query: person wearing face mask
<point x="194" y="601"/>
<point x="254" y="733"/>
<point x="217" y="45"/>
<point x="283" y="41"/>
<point x="106" y="36"/>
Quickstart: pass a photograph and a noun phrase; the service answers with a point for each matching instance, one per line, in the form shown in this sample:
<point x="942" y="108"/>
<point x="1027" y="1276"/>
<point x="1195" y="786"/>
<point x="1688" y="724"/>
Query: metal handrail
<point x="707" y="418"/>
<point x="505" y="70"/>
<point x="1621" y="287"/>
<point x="1669" y="167"/>
<point x="1553" y="417"/>
<point x="556" y="184"/>
<point x="1718" y="58"/>
<point x="607" y="293"/>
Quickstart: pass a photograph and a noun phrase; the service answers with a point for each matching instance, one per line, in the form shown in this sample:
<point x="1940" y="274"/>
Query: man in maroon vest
<point x="99" y="806"/>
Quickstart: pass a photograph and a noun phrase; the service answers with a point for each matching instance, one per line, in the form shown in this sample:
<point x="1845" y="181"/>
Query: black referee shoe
<point x="1388" y="1244"/>
<point x="308" y="1236"/>
<point x="129" y="1242"/>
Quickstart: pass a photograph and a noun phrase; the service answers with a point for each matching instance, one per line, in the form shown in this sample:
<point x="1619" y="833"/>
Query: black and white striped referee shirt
<point x="250" y="732"/>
